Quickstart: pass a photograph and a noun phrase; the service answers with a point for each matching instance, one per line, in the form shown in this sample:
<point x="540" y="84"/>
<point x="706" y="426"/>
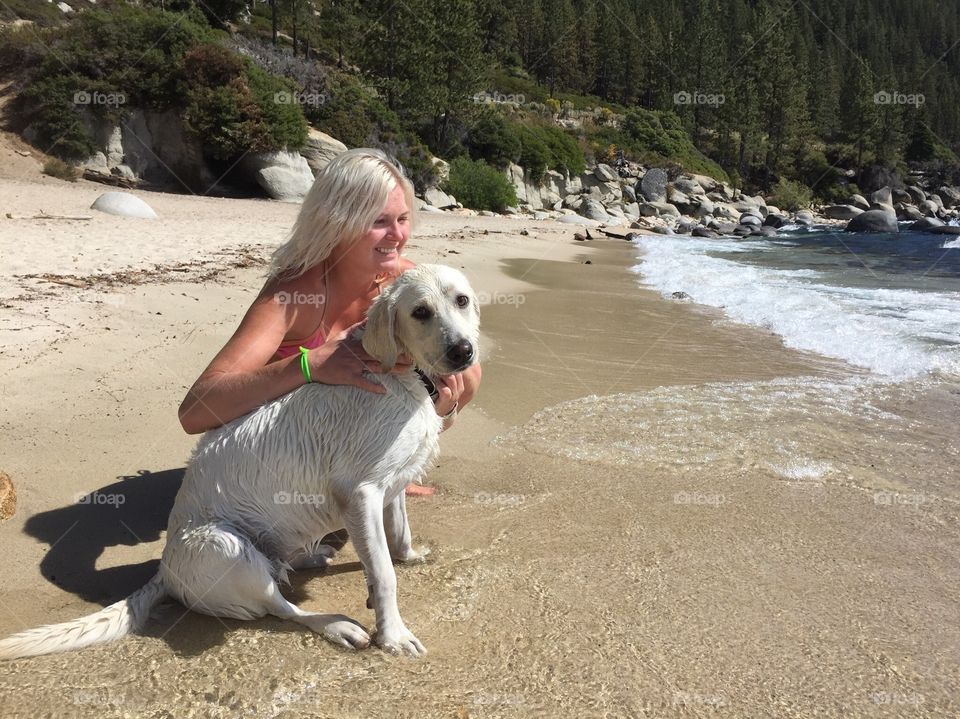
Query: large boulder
<point x="435" y="197"/>
<point x="930" y="208"/>
<point x="707" y="183"/>
<point x="859" y="201"/>
<point x="750" y="220"/>
<point x="841" y="212"/>
<point x="658" y="209"/>
<point x="804" y="217"/>
<point x="605" y="173"/>
<point x="704" y="209"/>
<point x="123" y="204"/>
<point x="653" y="186"/>
<point x="907" y="212"/>
<point x="949" y="196"/>
<point x="593" y="210"/>
<point x="578" y="220"/>
<point x="917" y="196"/>
<point x="874" y="221"/>
<point x="320" y="149"/>
<point x="775" y="221"/>
<point x="679" y="199"/>
<point x="926" y="223"/>
<point x="283" y="175"/>
<point x="688" y="186"/>
<point x="883" y="196"/>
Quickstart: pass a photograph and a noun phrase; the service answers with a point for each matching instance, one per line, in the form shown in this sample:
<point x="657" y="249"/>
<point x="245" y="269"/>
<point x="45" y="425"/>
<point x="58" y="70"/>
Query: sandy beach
<point x="626" y="522"/>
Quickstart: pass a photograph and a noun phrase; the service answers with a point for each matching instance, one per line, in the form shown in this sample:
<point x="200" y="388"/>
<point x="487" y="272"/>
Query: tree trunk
<point x="273" y="20"/>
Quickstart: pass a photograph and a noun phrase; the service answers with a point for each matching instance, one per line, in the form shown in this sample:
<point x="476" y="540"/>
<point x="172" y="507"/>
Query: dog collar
<point x="428" y="383"/>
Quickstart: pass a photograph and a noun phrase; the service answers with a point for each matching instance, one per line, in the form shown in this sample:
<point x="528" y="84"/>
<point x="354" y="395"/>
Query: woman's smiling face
<point x="378" y="251"/>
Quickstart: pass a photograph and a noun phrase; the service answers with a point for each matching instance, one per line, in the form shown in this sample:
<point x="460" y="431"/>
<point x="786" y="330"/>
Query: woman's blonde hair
<point x="342" y="205"/>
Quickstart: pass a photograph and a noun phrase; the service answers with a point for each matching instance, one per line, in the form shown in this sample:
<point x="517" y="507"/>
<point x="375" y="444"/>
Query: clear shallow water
<point x="887" y="303"/>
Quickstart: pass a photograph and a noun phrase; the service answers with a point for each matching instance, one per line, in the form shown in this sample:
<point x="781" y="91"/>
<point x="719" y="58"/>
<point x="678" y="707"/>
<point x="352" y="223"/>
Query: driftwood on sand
<point x="45" y="216"/>
<point x="8" y="497"/>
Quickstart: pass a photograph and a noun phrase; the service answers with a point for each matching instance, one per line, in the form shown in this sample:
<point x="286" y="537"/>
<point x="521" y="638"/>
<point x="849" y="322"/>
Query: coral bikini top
<point x="288" y="348"/>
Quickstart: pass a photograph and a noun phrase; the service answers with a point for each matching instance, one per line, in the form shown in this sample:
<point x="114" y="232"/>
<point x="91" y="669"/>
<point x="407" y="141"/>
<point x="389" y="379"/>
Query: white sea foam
<point x="896" y="333"/>
<point x="952" y="244"/>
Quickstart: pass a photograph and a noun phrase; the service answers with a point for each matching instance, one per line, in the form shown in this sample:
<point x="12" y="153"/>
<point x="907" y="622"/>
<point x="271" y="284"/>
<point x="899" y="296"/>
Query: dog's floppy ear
<point x="378" y="337"/>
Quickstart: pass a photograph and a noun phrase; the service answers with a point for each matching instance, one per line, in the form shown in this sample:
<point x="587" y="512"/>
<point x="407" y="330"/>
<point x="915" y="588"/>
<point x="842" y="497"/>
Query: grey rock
<point x="687" y="186"/>
<point x="685" y="227"/>
<point x="436" y="197"/>
<point x="900" y="196"/>
<point x="593" y="210"/>
<point x="628" y="193"/>
<point x="841" y="212"/>
<point x="701" y="231"/>
<point x="653" y="186"/>
<point x="859" y="201"/>
<point x="945" y="230"/>
<point x="662" y="230"/>
<point x="743" y="230"/>
<point x="804" y="217"/>
<point x="926" y="223"/>
<point x="726" y="228"/>
<point x="605" y="173"/>
<point x="578" y="220"/>
<point x="907" y="212"/>
<point x="123" y="204"/>
<point x="775" y="221"/>
<point x="883" y="196"/>
<point x="949" y="196"/>
<point x="704" y="209"/>
<point x="750" y="220"/>
<point x="321" y="148"/>
<point x="917" y="196"/>
<point x="873" y="221"/>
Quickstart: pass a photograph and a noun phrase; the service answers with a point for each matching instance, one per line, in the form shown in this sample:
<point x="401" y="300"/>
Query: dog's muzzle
<point x="460" y="355"/>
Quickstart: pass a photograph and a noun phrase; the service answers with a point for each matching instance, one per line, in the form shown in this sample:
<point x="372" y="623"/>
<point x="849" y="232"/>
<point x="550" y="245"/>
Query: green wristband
<point x="305" y="364"/>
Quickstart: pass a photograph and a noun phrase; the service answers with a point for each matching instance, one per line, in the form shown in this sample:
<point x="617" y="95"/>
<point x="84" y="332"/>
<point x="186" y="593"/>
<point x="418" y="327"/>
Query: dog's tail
<point x="110" y="623"/>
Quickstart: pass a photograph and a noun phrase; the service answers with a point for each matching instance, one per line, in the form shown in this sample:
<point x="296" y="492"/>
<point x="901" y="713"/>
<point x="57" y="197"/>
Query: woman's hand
<point x="342" y="361"/>
<point x="450" y="389"/>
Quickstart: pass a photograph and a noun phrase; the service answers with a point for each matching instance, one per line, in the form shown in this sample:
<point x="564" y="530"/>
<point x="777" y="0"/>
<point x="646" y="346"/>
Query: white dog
<point x="260" y="493"/>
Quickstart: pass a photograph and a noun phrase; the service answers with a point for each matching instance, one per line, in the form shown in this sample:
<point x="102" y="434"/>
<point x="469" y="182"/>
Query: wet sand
<point x="611" y="535"/>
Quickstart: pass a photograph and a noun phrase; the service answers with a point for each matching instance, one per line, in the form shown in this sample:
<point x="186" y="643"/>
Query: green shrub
<point x="236" y="107"/>
<point x="61" y="170"/>
<point x="491" y="138"/>
<point x="655" y="138"/>
<point x="546" y="147"/>
<point x="789" y="195"/>
<point x="349" y="111"/>
<point x="153" y="60"/>
<point x="43" y="14"/>
<point x="478" y="186"/>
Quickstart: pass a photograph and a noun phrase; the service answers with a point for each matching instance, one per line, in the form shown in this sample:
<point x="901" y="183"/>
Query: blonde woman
<point x="347" y="242"/>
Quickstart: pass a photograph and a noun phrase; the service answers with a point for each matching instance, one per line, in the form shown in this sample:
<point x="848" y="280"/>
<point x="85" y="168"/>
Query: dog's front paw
<point x="412" y="556"/>
<point x="399" y="641"/>
<point x="345" y="632"/>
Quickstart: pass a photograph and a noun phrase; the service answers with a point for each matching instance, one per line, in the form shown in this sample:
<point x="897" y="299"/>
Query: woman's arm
<point x="239" y="380"/>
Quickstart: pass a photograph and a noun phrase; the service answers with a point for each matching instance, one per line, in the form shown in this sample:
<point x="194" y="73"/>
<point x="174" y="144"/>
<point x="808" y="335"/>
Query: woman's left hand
<point x="450" y="389"/>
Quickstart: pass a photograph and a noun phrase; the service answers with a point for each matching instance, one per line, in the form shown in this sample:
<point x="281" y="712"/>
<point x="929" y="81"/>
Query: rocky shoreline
<point x="656" y="199"/>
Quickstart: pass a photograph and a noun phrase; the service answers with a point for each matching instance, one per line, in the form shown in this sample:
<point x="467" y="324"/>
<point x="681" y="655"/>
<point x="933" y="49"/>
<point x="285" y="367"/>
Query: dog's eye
<point x="421" y="313"/>
<point x="462" y="300"/>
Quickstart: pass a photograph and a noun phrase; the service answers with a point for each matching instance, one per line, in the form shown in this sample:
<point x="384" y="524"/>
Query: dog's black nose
<point x="461" y="352"/>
